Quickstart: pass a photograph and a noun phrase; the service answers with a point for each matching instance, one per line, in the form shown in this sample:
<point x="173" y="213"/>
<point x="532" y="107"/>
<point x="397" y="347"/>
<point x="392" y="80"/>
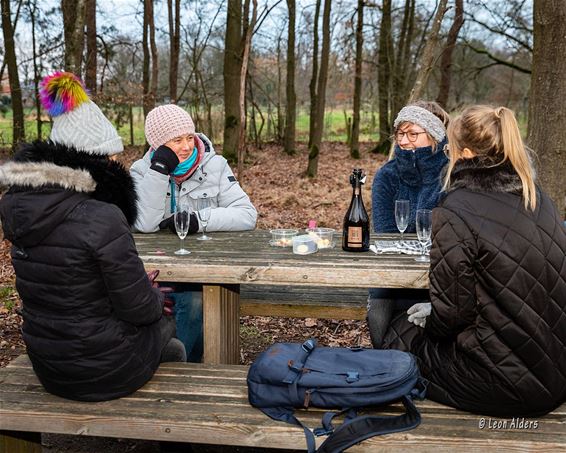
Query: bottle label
<point x="355" y="237"/>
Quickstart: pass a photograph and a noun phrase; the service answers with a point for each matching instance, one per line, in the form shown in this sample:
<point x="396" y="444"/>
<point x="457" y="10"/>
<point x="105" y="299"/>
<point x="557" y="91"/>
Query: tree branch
<point x="509" y="36"/>
<point x="498" y="60"/>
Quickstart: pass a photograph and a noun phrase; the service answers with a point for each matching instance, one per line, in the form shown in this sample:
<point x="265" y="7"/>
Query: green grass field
<point x="334" y="130"/>
<point x="334" y="127"/>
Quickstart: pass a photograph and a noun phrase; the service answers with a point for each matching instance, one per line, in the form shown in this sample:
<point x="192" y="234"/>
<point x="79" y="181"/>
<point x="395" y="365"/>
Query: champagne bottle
<point x="355" y="234"/>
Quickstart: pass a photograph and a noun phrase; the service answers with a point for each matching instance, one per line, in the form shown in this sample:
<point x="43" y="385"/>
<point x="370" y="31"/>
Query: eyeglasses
<point x="411" y="136"/>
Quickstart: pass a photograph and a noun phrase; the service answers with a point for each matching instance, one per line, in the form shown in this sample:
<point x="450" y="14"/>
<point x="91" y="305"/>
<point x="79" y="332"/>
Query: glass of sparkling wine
<point x="402" y="211"/>
<point x="182" y="220"/>
<point x="204" y="211"/>
<point x="424" y="230"/>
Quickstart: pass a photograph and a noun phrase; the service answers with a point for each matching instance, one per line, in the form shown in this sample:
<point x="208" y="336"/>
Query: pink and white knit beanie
<point x="165" y="123"/>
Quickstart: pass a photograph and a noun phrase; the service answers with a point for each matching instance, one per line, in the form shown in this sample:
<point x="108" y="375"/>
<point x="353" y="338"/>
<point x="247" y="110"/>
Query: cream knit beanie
<point x="165" y="123"/>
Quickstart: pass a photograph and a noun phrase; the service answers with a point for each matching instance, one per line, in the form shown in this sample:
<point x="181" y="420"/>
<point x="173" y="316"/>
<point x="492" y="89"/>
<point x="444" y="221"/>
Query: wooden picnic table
<point x="237" y="258"/>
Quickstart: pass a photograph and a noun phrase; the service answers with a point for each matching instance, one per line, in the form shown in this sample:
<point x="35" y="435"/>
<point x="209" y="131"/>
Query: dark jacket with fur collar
<point x="495" y="342"/>
<point x="90" y="314"/>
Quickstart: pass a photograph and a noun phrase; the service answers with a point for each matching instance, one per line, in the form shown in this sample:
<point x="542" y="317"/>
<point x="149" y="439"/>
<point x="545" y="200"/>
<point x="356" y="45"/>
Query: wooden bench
<point x="208" y="404"/>
<point x="303" y="301"/>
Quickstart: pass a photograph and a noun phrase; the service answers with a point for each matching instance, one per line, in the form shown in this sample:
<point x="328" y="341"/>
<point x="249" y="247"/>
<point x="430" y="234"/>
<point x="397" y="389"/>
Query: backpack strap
<point x="296" y="366"/>
<point x="327" y="427"/>
<point x="285" y="414"/>
<point x="361" y="428"/>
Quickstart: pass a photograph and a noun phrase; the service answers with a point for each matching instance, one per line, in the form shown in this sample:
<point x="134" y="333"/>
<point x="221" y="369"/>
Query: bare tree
<point x="154" y="57"/>
<point x="33" y="13"/>
<point x="149" y="82"/>
<point x="174" y="46"/>
<point x="248" y="29"/>
<point x="291" y="112"/>
<point x="314" y="150"/>
<point x="14" y="26"/>
<point x="426" y="62"/>
<point x="547" y="116"/>
<point x="385" y="62"/>
<point x="355" y="136"/>
<point x="314" y="76"/>
<point x="403" y="71"/>
<point x="73" y="26"/>
<point x="91" y="53"/>
<point x="446" y="61"/>
<point x="18" y="129"/>
<point x="232" y="68"/>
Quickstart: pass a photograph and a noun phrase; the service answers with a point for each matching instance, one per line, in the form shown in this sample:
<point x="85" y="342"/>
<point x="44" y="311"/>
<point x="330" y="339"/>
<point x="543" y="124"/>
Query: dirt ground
<point x="283" y="197"/>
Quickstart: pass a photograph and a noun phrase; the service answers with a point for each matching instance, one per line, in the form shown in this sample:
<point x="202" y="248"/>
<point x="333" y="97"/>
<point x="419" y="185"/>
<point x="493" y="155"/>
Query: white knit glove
<point x="418" y="313"/>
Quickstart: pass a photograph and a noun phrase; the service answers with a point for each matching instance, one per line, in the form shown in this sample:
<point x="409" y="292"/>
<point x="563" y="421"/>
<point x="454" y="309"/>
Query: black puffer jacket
<point x="495" y="342"/>
<point x="90" y="314"/>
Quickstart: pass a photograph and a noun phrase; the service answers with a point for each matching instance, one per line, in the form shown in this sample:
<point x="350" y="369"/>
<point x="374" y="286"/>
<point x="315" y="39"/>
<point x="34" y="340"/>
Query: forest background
<point x="253" y="72"/>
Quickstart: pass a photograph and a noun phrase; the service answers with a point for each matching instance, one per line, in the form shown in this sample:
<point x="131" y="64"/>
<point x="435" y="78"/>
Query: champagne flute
<point x="204" y="211"/>
<point x="402" y="211"/>
<point x="182" y="221"/>
<point x="424" y="230"/>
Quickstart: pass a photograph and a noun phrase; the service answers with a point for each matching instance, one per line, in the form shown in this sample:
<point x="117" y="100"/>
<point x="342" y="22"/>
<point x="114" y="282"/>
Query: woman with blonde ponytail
<point x="493" y="338"/>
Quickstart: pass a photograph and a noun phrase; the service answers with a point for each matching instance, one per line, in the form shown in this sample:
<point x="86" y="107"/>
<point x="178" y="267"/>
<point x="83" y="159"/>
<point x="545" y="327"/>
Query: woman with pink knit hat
<point x="182" y="167"/>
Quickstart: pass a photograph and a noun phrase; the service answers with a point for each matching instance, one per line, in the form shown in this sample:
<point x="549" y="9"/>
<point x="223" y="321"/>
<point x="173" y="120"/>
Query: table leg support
<point x="20" y="442"/>
<point x="221" y="313"/>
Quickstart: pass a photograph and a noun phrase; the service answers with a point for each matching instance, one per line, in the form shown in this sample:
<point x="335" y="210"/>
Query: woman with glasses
<point x="494" y="339"/>
<point x="412" y="173"/>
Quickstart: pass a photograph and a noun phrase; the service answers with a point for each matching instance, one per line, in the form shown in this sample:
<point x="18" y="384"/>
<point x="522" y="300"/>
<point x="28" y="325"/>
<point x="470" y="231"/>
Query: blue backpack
<point x="290" y="375"/>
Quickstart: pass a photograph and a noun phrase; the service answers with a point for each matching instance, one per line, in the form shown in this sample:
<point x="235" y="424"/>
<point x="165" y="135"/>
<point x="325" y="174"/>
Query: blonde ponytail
<point x="515" y="151"/>
<point x="492" y="132"/>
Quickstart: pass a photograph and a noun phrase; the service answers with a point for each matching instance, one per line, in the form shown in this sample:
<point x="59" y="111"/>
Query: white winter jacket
<point x="232" y="208"/>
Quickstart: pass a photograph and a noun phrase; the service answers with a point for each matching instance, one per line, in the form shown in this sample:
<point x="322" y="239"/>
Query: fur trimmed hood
<point x="46" y="165"/>
<point x="485" y="175"/>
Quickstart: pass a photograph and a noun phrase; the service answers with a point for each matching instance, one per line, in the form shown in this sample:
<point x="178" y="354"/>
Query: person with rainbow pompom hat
<point x="95" y="325"/>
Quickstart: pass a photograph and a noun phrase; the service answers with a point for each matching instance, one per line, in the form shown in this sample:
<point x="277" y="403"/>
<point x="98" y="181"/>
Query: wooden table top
<point x="247" y="257"/>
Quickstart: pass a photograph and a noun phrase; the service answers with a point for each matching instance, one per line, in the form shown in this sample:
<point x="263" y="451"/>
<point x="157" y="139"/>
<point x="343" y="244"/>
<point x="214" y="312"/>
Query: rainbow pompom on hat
<point x="77" y="121"/>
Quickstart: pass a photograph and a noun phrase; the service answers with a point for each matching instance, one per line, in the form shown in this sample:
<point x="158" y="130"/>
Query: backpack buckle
<point x="309" y="345"/>
<point x="321" y="431"/>
<point x="352" y="376"/>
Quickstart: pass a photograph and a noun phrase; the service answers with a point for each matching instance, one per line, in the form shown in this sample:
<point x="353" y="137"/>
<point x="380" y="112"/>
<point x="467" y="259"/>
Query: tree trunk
<point x="73" y="26"/>
<point x="131" y="118"/>
<point x="246" y="45"/>
<point x="280" y="126"/>
<point x="402" y="68"/>
<point x="146" y="59"/>
<point x="314" y="150"/>
<point x="14" y="26"/>
<point x="547" y="116"/>
<point x="446" y="61"/>
<point x="232" y="67"/>
<point x="314" y="76"/>
<point x="91" y="53"/>
<point x="355" y="135"/>
<point x="426" y="63"/>
<point x="18" y="134"/>
<point x="32" y="9"/>
<point x="291" y="112"/>
<point x="154" y="57"/>
<point x="174" y="46"/>
<point x="384" y="60"/>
